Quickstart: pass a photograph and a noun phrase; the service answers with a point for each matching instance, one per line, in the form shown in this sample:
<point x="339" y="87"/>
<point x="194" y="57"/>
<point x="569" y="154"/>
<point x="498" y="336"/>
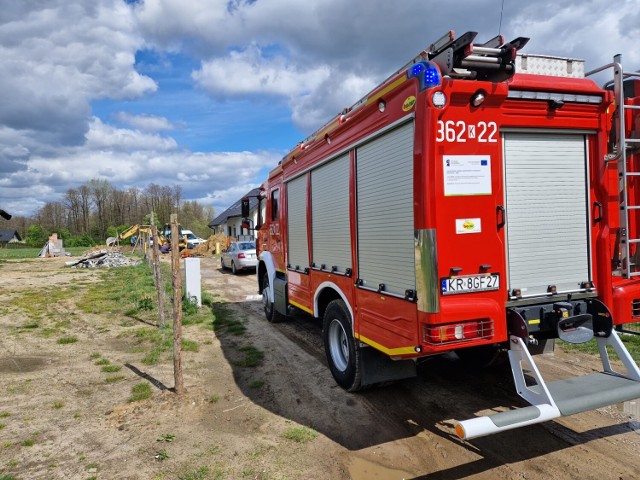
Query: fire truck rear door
<point x="546" y="190"/>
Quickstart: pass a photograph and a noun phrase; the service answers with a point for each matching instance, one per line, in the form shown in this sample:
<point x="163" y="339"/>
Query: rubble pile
<point x="209" y="246"/>
<point x="104" y="259"/>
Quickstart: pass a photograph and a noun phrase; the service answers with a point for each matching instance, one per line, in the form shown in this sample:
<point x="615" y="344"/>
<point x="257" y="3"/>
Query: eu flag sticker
<point x="484" y="163"/>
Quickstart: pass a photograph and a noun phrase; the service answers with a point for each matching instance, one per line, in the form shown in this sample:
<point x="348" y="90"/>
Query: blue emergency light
<point x="427" y="74"/>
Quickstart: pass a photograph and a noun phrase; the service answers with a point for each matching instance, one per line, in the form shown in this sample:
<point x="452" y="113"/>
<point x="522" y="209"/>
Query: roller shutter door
<point x="297" y="223"/>
<point x="385" y="211"/>
<point x="547" y="212"/>
<point x="330" y="215"/>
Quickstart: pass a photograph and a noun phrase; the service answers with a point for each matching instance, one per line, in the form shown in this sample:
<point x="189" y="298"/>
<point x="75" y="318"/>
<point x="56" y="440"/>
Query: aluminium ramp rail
<point x="560" y="398"/>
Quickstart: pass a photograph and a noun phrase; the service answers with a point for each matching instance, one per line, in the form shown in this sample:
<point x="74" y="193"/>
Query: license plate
<point x="469" y="283"/>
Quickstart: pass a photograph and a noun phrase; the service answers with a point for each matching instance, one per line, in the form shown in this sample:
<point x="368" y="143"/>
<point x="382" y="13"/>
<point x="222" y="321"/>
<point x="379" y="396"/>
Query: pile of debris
<point x="208" y="247"/>
<point x="103" y="259"/>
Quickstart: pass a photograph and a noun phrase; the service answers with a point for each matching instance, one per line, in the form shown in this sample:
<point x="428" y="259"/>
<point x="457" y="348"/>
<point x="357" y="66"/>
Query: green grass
<point x="21" y="253"/>
<point x="28" y="442"/>
<point x="630" y="341"/>
<point x="140" y="391"/>
<point x="256" y="384"/>
<point x="58" y="405"/>
<point x="202" y="473"/>
<point x="4" y="414"/>
<point x="67" y="340"/>
<point x="300" y="434"/>
<point x="30" y="325"/>
<point x="252" y="357"/>
<point x="167" y="437"/>
<point x="103" y="361"/>
<point x="156" y="341"/>
<point x="224" y="320"/>
<point x="114" y="378"/>
<point x="111" y="368"/>
<point x="39" y="309"/>
<point x="123" y="291"/>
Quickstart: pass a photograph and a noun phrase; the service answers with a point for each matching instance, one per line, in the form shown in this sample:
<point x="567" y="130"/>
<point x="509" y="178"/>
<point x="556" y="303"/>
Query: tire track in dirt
<point x="409" y="425"/>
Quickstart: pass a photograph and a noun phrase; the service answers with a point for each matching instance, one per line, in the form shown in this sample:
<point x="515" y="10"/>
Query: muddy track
<point x="407" y="428"/>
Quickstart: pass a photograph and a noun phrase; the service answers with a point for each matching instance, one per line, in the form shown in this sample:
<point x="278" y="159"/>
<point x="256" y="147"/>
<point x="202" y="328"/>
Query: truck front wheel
<point x="340" y="347"/>
<point x="270" y="312"/>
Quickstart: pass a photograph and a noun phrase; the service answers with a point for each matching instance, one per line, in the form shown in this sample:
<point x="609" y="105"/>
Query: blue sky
<point x="210" y="94"/>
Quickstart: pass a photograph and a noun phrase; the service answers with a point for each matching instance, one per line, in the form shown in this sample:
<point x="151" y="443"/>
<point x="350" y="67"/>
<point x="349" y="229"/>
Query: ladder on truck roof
<point x="629" y="264"/>
<point x="493" y="60"/>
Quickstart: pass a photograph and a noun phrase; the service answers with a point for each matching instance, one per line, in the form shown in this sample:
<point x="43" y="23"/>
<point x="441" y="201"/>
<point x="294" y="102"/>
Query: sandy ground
<point x="60" y="419"/>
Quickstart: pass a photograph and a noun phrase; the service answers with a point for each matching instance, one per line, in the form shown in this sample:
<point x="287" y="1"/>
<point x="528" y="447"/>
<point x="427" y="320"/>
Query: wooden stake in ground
<point x="157" y="278"/>
<point x="177" y="306"/>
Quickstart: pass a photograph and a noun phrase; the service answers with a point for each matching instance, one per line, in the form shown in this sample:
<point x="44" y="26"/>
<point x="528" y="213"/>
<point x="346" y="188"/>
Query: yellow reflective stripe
<point x="301" y="307"/>
<point x="386" y="90"/>
<point x="330" y="128"/>
<point x="388" y="351"/>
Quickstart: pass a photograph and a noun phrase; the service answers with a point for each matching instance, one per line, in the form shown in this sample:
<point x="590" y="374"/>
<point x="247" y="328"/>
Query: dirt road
<point x="61" y="419"/>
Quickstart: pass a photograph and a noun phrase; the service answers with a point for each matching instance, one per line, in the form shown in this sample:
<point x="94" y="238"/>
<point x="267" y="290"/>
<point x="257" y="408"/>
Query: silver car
<point x="239" y="256"/>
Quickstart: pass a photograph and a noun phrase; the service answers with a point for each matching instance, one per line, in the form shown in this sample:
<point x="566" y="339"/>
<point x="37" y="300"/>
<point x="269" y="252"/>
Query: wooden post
<point x="157" y="278"/>
<point x="177" y="306"/>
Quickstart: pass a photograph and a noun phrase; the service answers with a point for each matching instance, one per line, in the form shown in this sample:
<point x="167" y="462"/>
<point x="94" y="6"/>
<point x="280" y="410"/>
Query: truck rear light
<point x="241" y="255"/>
<point x="457" y="332"/>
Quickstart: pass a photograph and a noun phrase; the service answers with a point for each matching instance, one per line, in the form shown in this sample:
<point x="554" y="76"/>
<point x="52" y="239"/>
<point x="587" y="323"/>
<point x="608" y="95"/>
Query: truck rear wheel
<point x="340" y="347"/>
<point x="270" y="312"/>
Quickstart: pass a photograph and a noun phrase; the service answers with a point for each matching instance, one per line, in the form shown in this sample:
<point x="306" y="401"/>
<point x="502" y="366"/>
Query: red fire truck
<point x="478" y="200"/>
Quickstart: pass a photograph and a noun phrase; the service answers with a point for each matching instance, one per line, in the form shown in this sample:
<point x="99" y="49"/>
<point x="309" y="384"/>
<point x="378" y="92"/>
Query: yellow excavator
<point x="129" y="232"/>
<point x="164" y="235"/>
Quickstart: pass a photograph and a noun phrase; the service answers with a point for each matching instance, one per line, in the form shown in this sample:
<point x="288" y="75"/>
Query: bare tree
<point x="52" y="216"/>
<point x="73" y="204"/>
<point x="85" y="205"/>
<point x="101" y="191"/>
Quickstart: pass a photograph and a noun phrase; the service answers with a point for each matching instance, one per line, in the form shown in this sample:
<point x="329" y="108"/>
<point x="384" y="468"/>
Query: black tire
<point x="270" y="312"/>
<point x="233" y="268"/>
<point x="222" y="263"/>
<point x="340" y="347"/>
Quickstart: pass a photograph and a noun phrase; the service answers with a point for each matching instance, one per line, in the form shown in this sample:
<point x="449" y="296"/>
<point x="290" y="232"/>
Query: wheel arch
<point x="325" y="294"/>
<point x="266" y="265"/>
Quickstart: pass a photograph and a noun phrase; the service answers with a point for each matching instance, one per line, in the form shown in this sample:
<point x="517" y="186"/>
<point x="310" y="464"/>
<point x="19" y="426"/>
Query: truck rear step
<point x="559" y="398"/>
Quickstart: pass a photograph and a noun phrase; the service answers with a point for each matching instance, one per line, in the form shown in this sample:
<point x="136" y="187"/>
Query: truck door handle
<point x="501" y="216"/>
<point x="597" y="217"/>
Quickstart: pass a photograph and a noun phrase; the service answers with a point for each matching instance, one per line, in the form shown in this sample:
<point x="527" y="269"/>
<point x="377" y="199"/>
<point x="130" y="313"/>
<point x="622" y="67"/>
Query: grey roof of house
<point x="7" y="235"/>
<point x="235" y="210"/>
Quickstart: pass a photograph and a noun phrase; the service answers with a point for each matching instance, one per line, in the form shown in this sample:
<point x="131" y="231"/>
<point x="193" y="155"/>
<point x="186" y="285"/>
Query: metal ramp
<point x="621" y="150"/>
<point x="563" y="397"/>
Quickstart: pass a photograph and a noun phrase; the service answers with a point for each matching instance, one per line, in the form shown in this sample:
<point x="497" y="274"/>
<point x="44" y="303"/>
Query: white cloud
<point x="129" y="158"/>
<point x="102" y="136"/>
<point x="249" y="72"/>
<point x="58" y="56"/>
<point x="149" y="123"/>
<point x="590" y="30"/>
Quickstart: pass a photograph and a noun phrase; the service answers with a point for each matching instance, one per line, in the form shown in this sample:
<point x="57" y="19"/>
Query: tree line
<point x="90" y="213"/>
